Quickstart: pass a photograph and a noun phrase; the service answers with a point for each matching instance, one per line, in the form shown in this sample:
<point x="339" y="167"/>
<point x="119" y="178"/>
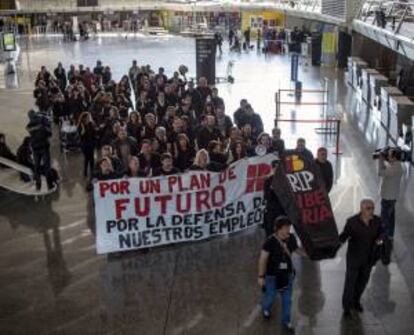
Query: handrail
<point x="16" y="166"/>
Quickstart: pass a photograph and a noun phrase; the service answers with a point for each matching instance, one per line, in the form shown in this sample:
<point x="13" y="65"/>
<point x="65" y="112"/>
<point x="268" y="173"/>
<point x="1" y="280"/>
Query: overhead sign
<point x="148" y="212"/>
<point x="206" y="59"/>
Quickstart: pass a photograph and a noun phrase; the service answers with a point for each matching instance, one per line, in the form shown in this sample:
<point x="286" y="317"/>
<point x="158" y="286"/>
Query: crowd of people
<point x="268" y="39"/>
<point x="150" y="124"/>
<point x="146" y="124"/>
<point x="370" y="239"/>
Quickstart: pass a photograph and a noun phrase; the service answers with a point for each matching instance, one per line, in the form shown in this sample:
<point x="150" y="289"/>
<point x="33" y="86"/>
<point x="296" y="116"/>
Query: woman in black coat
<point x="87" y="133"/>
<point x="134" y="126"/>
<point x="183" y="153"/>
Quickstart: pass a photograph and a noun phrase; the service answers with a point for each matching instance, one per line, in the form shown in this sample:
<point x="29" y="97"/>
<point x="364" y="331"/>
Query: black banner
<point x="206" y="59"/>
<point x="298" y="184"/>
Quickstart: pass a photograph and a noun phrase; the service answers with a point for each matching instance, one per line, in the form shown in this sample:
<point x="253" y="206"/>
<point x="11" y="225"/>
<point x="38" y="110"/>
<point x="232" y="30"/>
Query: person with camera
<point x="362" y="231"/>
<point x="276" y="272"/>
<point x="390" y="169"/>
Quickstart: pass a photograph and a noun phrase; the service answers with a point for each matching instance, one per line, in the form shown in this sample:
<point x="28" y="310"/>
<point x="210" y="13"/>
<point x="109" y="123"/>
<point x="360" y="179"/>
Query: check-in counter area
<point x="357" y="66"/>
<point x="401" y="111"/>
<point x="376" y="82"/>
<point x="350" y="78"/>
<point x="366" y="73"/>
<point x="386" y="93"/>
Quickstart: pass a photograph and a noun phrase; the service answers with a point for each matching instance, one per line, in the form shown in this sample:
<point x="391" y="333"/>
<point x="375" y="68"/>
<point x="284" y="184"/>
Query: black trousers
<point x="269" y="217"/>
<point x="89" y="161"/>
<point x="41" y="159"/>
<point x="356" y="280"/>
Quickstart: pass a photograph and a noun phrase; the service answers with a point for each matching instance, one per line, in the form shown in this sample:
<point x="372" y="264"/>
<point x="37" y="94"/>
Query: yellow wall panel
<point x="259" y="16"/>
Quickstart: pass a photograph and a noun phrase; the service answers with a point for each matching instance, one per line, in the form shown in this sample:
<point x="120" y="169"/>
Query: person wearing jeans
<point x="388" y="216"/>
<point x="390" y="169"/>
<point x="276" y="271"/>
<point x="270" y="294"/>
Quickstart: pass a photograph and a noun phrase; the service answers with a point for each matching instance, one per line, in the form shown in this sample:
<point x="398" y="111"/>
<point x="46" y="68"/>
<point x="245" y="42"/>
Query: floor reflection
<point x="46" y="221"/>
<point x="380" y="291"/>
<point x="311" y="299"/>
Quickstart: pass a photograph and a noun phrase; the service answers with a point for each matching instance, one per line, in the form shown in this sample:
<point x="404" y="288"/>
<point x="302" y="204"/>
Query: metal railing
<point x="394" y="16"/>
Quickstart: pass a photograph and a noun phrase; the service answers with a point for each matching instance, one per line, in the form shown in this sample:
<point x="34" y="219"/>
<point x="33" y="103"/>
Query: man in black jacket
<point x="196" y="99"/>
<point x="167" y="168"/>
<point x="60" y="75"/>
<point x="41" y="95"/>
<point x="40" y="131"/>
<point x="216" y="100"/>
<point x="125" y="146"/>
<point x="240" y="113"/>
<point x="98" y="69"/>
<point x="325" y="167"/>
<point x="253" y="119"/>
<point x="208" y="133"/>
<point x="223" y="121"/>
<point x="364" y="231"/>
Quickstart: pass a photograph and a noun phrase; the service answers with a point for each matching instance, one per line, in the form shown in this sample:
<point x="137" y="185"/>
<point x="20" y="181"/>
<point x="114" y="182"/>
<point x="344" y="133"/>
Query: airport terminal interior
<point x="337" y="73"/>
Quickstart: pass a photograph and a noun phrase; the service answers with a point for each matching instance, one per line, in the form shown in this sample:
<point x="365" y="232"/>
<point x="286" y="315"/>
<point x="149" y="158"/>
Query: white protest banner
<point x="139" y="213"/>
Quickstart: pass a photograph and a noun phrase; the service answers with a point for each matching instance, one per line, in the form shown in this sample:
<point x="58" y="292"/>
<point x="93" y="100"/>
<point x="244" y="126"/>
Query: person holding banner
<point x="276" y="272"/>
<point x="105" y="170"/>
<point x="167" y="168"/>
<point x="363" y="231"/>
<point x="201" y="160"/>
<point x="237" y="151"/>
<point x="134" y="169"/>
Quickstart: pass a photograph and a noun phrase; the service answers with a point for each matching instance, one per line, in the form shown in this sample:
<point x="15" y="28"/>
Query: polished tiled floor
<point x="52" y="281"/>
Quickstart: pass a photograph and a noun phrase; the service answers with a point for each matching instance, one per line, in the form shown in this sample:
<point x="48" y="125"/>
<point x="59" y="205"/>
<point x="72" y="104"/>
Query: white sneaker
<point x="289" y="327"/>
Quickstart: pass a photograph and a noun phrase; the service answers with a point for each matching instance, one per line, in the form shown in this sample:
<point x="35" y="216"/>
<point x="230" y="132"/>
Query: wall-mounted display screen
<point x="9" y="42"/>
